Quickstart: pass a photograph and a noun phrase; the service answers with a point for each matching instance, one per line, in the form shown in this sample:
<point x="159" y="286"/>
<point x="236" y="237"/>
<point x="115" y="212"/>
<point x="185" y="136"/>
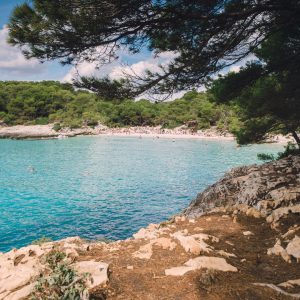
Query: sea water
<point x="97" y="187"/>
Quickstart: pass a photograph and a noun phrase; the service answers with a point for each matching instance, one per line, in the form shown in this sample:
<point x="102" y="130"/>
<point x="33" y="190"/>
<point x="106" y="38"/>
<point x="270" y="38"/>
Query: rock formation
<point x="271" y="189"/>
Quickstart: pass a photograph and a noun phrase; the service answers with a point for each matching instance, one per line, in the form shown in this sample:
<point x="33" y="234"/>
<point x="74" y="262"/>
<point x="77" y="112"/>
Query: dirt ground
<point x="135" y="278"/>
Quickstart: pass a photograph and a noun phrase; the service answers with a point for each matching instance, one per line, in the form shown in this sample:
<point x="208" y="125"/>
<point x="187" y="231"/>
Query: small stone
<point x="129" y="267"/>
<point x="225" y="217"/>
<point x="229" y="243"/>
<point x="226" y="254"/>
<point x="253" y="212"/>
<point x="145" y="252"/>
<point x="247" y="233"/>
<point x="198" y="229"/>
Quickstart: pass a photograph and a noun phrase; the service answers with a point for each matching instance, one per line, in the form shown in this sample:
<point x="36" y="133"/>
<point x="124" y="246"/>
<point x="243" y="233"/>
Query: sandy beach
<point x="47" y="132"/>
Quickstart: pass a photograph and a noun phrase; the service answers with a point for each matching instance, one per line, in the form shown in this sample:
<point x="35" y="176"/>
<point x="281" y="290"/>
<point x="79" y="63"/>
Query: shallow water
<point x="109" y="187"/>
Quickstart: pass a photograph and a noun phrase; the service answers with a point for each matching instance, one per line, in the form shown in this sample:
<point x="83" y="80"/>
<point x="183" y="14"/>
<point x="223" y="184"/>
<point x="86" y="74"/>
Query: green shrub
<point x="56" y="127"/>
<point x="41" y="241"/>
<point x="62" y="282"/>
<point x="42" y="121"/>
<point x="265" y="156"/>
<point x="290" y="149"/>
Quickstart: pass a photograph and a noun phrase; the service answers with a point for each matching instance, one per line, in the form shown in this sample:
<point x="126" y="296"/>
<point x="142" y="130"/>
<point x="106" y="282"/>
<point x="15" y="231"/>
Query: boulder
<point x="256" y="189"/>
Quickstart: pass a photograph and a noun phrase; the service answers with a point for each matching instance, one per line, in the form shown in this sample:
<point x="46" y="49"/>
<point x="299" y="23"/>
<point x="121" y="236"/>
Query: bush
<point x="62" y="282"/>
<point x="265" y="157"/>
<point x="290" y="149"/>
<point x="208" y="279"/>
<point x="41" y="241"/>
<point x="56" y="127"/>
<point x="42" y="121"/>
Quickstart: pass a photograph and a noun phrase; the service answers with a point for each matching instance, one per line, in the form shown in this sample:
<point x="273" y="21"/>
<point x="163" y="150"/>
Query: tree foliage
<point x="207" y="35"/>
<point x="48" y="101"/>
<point x="267" y="91"/>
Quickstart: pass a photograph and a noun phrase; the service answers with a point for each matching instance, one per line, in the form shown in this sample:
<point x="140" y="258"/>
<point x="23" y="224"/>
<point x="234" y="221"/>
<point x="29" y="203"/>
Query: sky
<point x="13" y="65"/>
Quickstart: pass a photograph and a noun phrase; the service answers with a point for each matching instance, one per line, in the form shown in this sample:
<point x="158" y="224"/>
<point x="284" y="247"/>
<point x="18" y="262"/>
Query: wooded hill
<point x="53" y="102"/>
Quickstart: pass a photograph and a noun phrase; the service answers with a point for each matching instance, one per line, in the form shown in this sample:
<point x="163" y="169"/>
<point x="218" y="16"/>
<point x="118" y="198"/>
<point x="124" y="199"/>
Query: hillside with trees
<point x="53" y="102"/>
<point x="207" y="36"/>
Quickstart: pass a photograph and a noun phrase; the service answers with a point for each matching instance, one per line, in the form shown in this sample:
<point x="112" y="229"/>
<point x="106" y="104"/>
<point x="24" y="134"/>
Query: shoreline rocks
<point x="271" y="190"/>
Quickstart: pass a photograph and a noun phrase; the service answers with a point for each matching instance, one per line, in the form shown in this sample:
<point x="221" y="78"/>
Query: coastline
<point x="182" y="132"/>
<point x="239" y="239"/>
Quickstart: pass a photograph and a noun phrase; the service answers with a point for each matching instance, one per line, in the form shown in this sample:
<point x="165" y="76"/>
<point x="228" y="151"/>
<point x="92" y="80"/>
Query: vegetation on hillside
<point x="53" y="102"/>
<point x="207" y="37"/>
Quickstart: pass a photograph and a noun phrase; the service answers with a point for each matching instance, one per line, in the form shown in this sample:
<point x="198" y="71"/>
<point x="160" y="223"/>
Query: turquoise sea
<point x="108" y="187"/>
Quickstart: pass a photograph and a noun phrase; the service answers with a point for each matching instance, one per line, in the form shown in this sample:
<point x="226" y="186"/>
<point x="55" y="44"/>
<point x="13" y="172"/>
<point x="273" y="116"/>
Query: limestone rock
<point x="262" y="187"/>
<point x="290" y="283"/>
<point x="279" y="250"/>
<point x="226" y="254"/>
<point x="145" y="251"/>
<point x="20" y="294"/>
<point x="278" y="213"/>
<point x="291" y="232"/>
<point x="194" y="243"/>
<point x="293" y="248"/>
<point x="153" y="231"/>
<point x="253" y="212"/>
<point x="97" y="270"/>
<point x="247" y="233"/>
<point x="202" y="262"/>
<point x="178" y="271"/>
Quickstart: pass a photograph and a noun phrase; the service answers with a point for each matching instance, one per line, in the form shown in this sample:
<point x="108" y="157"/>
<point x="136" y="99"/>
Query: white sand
<point x="46" y="131"/>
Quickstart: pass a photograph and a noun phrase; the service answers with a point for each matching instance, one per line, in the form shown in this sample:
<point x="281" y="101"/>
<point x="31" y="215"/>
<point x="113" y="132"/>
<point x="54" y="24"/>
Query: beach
<point x="182" y="132"/>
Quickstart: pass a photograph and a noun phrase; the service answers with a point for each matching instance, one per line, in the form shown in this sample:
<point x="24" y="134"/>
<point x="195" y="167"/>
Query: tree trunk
<point x="296" y="137"/>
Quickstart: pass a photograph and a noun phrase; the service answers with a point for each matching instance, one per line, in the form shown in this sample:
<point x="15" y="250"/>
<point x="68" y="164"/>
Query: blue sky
<point x="13" y="66"/>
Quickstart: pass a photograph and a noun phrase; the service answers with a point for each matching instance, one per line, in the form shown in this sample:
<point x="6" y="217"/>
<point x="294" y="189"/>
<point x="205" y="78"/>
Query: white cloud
<point x="152" y="64"/>
<point x="117" y="69"/>
<point x="12" y="61"/>
<point x="235" y="69"/>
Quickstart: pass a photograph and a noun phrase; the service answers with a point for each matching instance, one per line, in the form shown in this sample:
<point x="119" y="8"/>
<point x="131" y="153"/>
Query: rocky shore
<point x="239" y="239"/>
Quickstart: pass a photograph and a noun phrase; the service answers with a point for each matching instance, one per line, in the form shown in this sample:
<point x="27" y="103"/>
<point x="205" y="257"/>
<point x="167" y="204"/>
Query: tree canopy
<point x="52" y="102"/>
<point x="267" y="90"/>
<point x="206" y="35"/>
